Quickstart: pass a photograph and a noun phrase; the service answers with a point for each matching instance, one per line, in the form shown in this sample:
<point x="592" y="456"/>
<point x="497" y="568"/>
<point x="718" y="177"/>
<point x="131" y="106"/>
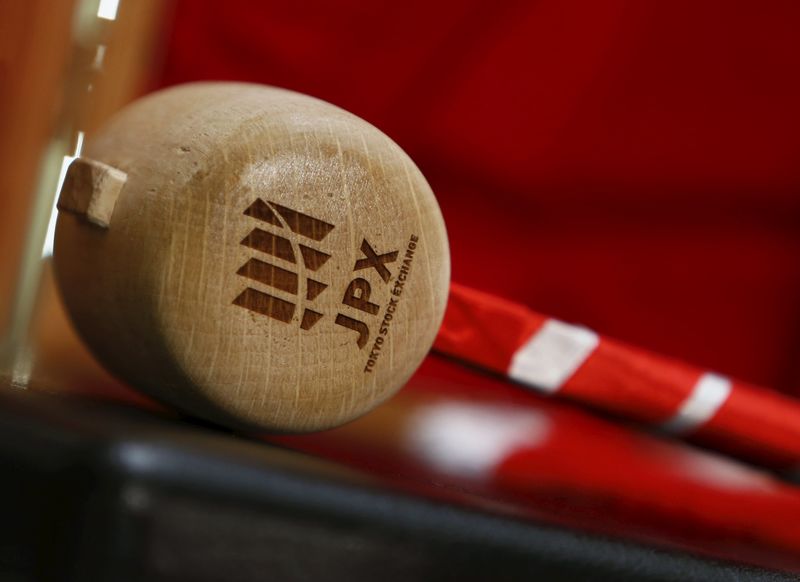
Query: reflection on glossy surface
<point x="471" y="440"/>
<point x="468" y="438"/>
<point x="108" y="9"/>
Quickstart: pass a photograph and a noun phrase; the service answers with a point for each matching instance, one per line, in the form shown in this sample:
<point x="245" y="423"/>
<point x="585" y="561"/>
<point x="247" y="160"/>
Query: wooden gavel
<point x="252" y="256"/>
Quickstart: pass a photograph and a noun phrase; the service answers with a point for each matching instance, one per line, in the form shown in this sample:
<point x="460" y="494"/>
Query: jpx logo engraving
<point x="282" y="248"/>
<point x="357" y="295"/>
<point x="359" y="291"/>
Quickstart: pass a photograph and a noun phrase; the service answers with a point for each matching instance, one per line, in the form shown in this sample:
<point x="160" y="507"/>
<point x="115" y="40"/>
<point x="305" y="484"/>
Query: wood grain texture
<point x="272" y="261"/>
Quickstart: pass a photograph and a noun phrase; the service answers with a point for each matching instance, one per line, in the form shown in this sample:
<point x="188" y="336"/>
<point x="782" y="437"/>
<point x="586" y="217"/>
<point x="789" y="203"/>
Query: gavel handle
<point x="749" y="422"/>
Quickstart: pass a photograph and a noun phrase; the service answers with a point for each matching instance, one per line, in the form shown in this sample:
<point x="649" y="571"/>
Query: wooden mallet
<point x="252" y="256"/>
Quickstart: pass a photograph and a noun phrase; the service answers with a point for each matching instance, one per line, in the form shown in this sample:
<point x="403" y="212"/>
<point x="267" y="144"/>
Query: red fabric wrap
<point x="483" y="329"/>
<point x="753" y="423"/>
<point x="758" y="424"/>
<point x="632" y="382"/>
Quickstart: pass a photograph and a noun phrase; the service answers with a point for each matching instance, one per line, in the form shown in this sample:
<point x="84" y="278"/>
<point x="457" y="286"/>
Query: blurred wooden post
<point x="50" y="51"/>
<point x="35" y="39"/>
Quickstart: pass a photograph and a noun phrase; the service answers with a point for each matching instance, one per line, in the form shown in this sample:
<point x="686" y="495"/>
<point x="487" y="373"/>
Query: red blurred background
<point x="632" y="166"/>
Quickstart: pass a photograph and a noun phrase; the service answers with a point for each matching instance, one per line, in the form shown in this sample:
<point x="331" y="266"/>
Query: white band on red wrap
<point x="708" y="395"/>
<point x="551" y="355"/>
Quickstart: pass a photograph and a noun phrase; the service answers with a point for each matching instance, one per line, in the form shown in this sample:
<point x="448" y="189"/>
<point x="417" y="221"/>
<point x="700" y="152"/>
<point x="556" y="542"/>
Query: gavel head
<point x="252" y="256"/>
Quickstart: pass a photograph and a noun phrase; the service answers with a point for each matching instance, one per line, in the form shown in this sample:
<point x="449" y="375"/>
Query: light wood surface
<point x="271" y="261"/>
